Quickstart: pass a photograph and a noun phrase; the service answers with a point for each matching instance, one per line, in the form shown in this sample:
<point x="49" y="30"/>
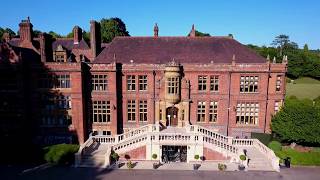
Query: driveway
<point x="61" y="173"/>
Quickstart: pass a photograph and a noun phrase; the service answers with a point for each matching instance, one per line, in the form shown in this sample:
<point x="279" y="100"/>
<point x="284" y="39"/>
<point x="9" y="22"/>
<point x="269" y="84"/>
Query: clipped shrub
<point x="114" y="156"/>
<point x="242" y="157"/>
<point x="154" y="156"/>
<point x="275" y="146"/>
<point x="222" y="167"/>
<point x="129" y="165"/>
<point x="196" y="157"/>
<point x="60" y="153"/>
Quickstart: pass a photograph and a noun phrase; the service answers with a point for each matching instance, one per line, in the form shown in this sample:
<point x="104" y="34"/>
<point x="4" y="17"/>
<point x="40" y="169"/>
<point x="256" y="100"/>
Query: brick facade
<point x="211" y="155"/>
<point x="118" y="61"/>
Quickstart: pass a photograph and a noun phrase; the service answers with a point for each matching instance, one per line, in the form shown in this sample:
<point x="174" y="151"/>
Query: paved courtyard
<point x="61" y="173"/>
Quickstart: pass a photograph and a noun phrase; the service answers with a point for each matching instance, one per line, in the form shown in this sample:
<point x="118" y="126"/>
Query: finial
<point x="274" y="59"/>
<point x="156" y="30"/>
<point x="285" y="59"/>
<point x="268" y="57"/>
<point x="114" y="56"/>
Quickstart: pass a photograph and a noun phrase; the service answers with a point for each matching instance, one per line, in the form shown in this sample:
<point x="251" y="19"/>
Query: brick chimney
<point x="25" y="31"/>
<point x="95" y="38"/>
<point x="193" y="31"/>
<point x="156" y="30"/>
<point x="45" y="47"/>
<point x="77" y="35"/>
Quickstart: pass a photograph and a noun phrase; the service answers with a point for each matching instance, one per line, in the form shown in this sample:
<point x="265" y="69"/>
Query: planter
<point x="130" y="165"/>
<point x="241" y="167"/>
<point x="155" y="165"/>
<point x="196" y="166"/>
<point x="222" y="167"/>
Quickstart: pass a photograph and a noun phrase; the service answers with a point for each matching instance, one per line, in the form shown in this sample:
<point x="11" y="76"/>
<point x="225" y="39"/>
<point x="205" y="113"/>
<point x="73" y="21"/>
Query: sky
<point x="250" y="21"/>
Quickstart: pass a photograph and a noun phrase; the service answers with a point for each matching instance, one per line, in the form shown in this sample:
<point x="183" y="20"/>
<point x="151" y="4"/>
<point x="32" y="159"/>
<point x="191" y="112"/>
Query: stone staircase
<point x="258" y="160"/>
<point x="97" y="149"/>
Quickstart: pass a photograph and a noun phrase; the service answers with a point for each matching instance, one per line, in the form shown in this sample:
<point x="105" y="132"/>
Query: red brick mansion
<point x="62" y="89"/>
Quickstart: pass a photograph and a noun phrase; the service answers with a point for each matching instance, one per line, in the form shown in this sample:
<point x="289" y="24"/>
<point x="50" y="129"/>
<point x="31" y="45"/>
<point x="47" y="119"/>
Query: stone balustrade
<point x="150" y="135"/>
<point x="242" y="142"/>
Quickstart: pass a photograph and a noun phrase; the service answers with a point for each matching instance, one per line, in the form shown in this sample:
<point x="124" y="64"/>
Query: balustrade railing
<point x="220" y="144"/>
<point x="194" y="134"/>
<point x="207" y="132"/>
<point x="242" y="142"/>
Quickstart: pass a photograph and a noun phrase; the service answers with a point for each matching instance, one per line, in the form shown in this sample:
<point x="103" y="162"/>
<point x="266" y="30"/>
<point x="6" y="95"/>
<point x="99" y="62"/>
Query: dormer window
<point x="60" y="55"/>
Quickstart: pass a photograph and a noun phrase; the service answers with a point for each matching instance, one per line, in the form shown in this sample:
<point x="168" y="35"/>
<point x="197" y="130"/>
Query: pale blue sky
<point x="250" y="21"/>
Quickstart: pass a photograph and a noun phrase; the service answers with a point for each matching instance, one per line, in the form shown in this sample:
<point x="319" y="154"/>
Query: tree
<point x="280" y="42"/>
<point x="305" y="48"/>
<point x="36" y="33"/>
<point x="298" y="121"/>
<point x="85" y="36"/>
<point x="8" y="30"/>
<point x="200" y="34"/>
<point x="111" y="28"/>
<point x="1" y="33"/>
<point x="283" y="43"/>
<point x="54" y="34"/>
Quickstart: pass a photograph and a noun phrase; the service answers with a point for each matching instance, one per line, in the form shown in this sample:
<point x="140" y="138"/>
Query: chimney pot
<point x="193" y="31"/>
<point x="77" y="35"/>
<point x="156" y="30"/>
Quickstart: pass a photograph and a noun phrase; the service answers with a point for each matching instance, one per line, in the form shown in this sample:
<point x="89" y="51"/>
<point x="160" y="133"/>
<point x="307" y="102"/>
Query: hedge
<point x="275" y="146"/>
<point x="60" y="153"/>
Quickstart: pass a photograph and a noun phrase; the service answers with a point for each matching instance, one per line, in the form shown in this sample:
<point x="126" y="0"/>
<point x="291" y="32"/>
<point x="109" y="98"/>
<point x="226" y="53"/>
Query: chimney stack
<point x="45" y="47"/>
<point x="25" y="30"/>
<point x="77" y="35"/>
<point x="193" y="31"/>
<point x="156" y="30"/>
<point x="95" y="38"/>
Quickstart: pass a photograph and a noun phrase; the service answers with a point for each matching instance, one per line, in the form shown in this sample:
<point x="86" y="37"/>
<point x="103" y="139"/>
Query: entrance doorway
<point x="172" y="116"/>
<point x="174" y="153"/>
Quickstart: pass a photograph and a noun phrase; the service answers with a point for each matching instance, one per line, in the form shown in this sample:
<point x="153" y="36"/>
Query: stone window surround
<point x="131" y="110"/>
<point x="99" y="82"/>
<point x="252" y="81"/>
<point x="143" y="111"/>
<point x="101" y="111"/>
<point x="278" y="83"/>
<point x="246" y="112"/>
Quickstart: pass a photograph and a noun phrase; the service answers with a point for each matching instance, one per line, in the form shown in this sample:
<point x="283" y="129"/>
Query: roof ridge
<point x="64" y="38"/>
<point x="197" y="37"/>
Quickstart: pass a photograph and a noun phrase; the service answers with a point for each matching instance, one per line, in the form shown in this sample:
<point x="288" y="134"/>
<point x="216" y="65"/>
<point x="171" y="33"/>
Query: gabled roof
<point x="160" y="50"/>
<point x="68" y="44"/>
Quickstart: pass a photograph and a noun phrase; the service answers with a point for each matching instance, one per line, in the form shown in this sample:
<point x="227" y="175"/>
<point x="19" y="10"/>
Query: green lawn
<point x="304" y="88"/>
<point x="300" y="158"/>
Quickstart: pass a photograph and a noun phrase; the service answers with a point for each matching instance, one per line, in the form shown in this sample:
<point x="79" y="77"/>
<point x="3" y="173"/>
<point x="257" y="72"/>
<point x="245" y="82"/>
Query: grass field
<point x="304" y="88"/>
<point x="300" y="158"/>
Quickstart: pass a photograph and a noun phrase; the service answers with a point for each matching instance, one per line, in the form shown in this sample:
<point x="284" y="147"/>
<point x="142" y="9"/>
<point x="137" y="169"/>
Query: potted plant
<point x="196" y="166"/>
<point x="222" y="167"/>
<point x="242" y="157"/>
<point x="114" y="157"/>
<point x="156" y="164"/>
<point x="129" y="165"/>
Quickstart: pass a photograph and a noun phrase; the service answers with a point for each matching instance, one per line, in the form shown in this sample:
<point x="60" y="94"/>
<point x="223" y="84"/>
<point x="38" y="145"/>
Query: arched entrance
<point x="172" y="116"/>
